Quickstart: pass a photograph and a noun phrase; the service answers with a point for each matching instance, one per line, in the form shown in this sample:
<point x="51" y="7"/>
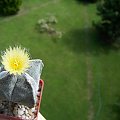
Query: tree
<point x="109" y="25"/>
<point x="9" y="7"/>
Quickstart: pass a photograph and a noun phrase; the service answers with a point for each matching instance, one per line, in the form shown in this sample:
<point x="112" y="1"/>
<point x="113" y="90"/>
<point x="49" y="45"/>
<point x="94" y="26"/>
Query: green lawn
<point x="71" y="63"/>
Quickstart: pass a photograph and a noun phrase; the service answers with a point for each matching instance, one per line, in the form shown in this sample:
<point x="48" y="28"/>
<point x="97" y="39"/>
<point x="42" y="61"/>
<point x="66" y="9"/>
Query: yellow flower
<point x="15" y="60"/>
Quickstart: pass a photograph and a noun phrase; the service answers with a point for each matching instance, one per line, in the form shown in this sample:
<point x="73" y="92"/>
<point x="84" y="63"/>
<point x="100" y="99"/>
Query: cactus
<point x="22" y="88"/>
<point x="19" y="77"/>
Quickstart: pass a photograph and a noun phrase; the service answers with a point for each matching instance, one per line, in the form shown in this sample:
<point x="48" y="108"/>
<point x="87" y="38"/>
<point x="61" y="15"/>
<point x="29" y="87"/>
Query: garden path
<point x="89" y="66"/>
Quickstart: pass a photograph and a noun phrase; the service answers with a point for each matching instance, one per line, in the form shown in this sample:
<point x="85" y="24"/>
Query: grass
<point x="65" y="94"/>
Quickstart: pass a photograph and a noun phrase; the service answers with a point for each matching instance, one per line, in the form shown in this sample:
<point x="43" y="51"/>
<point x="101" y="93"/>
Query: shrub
<point x="46" y="26"/>
<point x="109" y="25"/>
<point x="9" y="7"/>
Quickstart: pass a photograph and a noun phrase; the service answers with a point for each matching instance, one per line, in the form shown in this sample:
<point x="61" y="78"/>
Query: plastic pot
<point x="39" y="96"/>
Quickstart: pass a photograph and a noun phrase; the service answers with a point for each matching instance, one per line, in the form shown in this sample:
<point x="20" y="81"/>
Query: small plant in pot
<point x="19" y="84"/>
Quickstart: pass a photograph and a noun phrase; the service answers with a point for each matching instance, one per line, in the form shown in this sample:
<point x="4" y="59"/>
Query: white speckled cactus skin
<point x="35" y="70"/>
<point x="21" y="89"/>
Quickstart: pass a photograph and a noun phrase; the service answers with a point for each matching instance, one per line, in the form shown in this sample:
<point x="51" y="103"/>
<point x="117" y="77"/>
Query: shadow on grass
<point x="2" y="17"/>
<point x="86" y="41"/>
<point x="114" y="110"/>
<point x="85" y="2"/>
